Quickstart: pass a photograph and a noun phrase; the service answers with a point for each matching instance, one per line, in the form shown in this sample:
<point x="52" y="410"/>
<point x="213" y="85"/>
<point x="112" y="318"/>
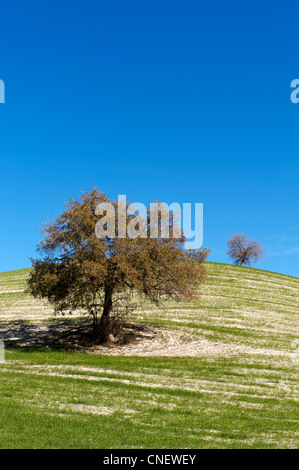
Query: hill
<point x="216" y="372"/>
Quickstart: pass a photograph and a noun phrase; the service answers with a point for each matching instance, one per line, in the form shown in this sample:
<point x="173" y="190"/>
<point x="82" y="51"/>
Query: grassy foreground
<point x="240" y="390"/>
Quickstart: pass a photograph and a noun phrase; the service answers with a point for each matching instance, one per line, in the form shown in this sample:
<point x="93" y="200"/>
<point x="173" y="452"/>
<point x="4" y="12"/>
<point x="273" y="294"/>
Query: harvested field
<point x="219" y="372"/>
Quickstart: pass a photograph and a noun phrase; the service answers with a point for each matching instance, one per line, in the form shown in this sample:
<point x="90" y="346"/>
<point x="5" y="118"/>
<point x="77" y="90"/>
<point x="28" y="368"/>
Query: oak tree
<point x="244" y="251"/>
<point x="78" y="270"/>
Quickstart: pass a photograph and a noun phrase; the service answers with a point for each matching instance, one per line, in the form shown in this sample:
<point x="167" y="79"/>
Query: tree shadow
<point x="53" y="335"/>
<point x="67" y="335"/>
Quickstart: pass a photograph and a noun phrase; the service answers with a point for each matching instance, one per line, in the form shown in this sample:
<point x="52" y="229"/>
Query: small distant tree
<point x="244" y="251"/>
<point x="78" y="270"/>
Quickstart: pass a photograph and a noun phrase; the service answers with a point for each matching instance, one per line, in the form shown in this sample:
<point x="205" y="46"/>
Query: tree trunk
<point x="107" y="306"/>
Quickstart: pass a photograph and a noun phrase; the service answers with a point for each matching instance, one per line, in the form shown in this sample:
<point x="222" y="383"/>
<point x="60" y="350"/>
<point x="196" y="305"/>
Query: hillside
<point x="216" y="372"/>
<point x="238" y="307"/>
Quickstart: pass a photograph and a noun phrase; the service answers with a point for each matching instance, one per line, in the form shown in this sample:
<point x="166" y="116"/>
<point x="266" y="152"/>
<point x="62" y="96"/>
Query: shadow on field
<point x="65" y="335"/>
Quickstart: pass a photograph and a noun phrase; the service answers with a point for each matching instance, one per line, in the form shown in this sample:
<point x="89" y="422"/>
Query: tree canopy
<point x="78" y="270"/>
<point x="244" y="251"/>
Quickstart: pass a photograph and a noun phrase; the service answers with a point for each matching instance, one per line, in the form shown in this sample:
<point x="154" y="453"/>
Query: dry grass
<point x="217" y="372"/>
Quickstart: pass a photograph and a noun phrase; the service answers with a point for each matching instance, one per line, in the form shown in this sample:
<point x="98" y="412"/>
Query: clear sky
<point x="185" y="101"/>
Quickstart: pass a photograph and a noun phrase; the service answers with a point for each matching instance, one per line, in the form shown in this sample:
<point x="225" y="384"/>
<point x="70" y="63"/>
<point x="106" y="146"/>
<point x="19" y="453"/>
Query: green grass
<point x="248" y="399"/>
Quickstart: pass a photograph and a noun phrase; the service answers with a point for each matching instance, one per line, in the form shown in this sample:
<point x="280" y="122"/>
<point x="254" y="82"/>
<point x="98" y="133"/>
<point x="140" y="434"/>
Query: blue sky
<point x="184" y="101"/>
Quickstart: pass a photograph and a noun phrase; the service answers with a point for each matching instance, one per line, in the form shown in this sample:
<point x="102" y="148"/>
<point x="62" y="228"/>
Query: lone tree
<point x="244" y="251"/>
<point x="79" y="270"/>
